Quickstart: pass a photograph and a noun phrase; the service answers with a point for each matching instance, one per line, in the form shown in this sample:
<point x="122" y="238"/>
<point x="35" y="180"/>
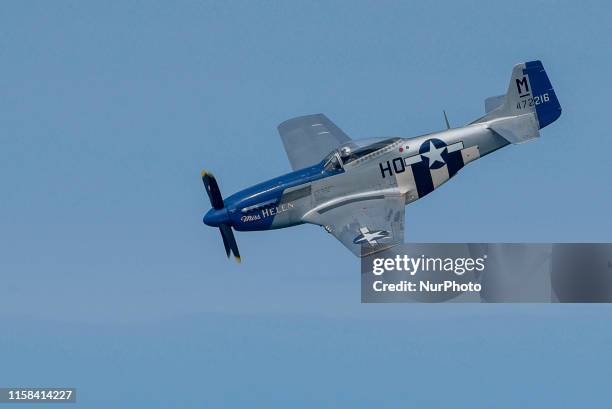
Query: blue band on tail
<point x="547" y="107"/>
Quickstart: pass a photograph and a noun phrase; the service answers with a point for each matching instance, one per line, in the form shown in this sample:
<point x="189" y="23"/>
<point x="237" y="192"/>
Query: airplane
<point x="357" y="189"/>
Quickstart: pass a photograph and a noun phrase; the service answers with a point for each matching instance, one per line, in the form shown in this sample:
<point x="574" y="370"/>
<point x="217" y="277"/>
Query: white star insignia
<point x="434" y="155"/>
<point x="370" y="237"/>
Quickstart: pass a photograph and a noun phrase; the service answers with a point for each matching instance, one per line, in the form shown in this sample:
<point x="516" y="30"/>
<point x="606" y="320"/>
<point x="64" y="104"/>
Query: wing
<point x="365" y="224"/>
<point x="307" y="139"/>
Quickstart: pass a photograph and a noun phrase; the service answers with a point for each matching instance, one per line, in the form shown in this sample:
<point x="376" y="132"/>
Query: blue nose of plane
<point x="216" y="217"/>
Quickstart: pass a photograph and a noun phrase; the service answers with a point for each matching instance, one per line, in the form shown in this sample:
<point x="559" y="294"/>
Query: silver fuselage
<point x="291" y="199"/>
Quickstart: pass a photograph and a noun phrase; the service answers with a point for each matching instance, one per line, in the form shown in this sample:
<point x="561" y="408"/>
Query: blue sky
<point x="111" y="283"/>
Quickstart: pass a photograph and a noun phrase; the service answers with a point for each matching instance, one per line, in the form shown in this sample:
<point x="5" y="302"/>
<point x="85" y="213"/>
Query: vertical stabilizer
<point x="529" y="92"/>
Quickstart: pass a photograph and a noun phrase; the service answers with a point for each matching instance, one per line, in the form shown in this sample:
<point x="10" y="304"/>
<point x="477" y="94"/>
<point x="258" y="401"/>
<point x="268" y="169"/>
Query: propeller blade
<point x="229" y="239"/>
<point x="212" y="188"/>
<point x="225" y="242"/>
<point x="216" y="200"/>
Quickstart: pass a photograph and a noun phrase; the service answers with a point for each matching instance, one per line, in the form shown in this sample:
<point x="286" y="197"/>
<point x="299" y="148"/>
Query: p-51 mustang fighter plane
<point x="357" y="189"/>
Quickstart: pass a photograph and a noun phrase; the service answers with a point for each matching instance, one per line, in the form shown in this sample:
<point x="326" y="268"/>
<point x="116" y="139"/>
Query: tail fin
<point x="529" y="92"/>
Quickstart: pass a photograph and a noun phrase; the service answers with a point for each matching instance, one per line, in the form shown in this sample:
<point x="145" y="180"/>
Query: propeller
<point x="218" y="216"/>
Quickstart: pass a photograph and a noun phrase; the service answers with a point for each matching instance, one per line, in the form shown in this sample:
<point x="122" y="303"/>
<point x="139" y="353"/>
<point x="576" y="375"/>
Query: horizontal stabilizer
<point x="492" y="103"/>
<point x="516" y="129"/>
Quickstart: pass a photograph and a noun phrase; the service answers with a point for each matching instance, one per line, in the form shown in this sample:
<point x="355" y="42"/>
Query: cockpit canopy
<point x="350" y="151"/>
<point x="356" y="149"/>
